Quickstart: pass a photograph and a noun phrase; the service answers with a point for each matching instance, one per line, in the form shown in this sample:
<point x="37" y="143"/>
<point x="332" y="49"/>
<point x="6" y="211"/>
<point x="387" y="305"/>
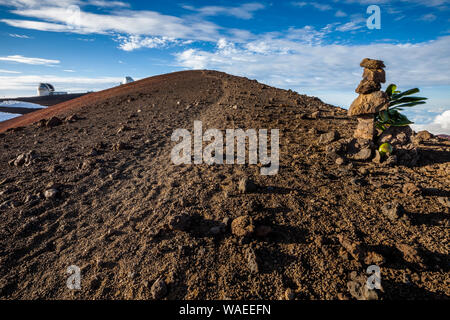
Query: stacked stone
<point x="370" y="100"/>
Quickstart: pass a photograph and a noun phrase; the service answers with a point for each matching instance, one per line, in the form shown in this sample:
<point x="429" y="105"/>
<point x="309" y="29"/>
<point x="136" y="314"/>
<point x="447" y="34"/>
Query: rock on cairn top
<point x="372" y="64"/>
<point x="370" y="100"/>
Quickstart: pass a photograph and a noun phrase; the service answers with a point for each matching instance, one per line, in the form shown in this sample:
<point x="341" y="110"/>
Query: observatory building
<point x="127" y="80"/>
<point x="46" y="89"/>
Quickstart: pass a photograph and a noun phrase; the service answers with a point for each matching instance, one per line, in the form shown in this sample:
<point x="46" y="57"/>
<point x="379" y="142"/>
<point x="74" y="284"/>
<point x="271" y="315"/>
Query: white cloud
<point x="428" y="17"/>
<point x="9" y="71"/>
<point x="318" y="6"/>
<point x="57" y="18"/>
<point x="340" y="14"/>
<point x="244" y="11"/>
<point x="134" y="42"/>
<point x="298" y="64"/>
<point x="427" y="3"/>
<point x="28" y="83"/>
<point x="20" y="36"/>
<point x="29" y="60"/>
<point x="108" y="4"/>
<point x="440" y="124"/>
<point x="69" y="70"/>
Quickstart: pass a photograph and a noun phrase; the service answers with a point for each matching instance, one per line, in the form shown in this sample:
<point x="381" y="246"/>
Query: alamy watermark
<point x="73" y="282"/>
<point x="374" y="280"/>
<point x="374" y="21"/>
<point x="213" y="153"/>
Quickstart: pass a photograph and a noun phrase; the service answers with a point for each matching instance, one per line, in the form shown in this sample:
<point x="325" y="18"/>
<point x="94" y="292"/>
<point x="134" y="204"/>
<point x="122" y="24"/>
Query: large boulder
<point x="369" y="103"/>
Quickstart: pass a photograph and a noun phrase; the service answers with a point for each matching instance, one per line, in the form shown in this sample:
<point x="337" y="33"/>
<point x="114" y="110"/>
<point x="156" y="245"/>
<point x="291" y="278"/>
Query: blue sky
<point x="313" y="47"/>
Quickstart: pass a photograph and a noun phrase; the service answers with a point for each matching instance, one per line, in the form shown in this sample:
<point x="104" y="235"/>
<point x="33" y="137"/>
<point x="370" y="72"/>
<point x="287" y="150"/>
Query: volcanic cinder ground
<point x="127" y="216"/>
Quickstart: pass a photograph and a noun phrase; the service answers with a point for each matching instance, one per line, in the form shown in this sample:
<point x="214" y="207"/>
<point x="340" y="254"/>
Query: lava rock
<point x="377" y="157"/>
<point x="392" y="210"/>
<point x="315" y="115"/>
<point x="410" y="189"/>
<point x="363" y="155"/>
<point x="120" y="146"/>
<point x="376" y="75"/>
<point x="246" y="186"/>
<point x="53" y="122"/>
<point x="353" y="247"/>
<point x="50" y="194"/>
<point x="372" y="64"/>
<point x="242" y="226"/>
<point x="358" y="289"/>
<point x="368" y="86"/>
<point x="252" y="260"/>
<point x="289" y="294"/>
<point x="339" y="161"/>
<point x="369" y="103"/>
<point x="329" y="137"/>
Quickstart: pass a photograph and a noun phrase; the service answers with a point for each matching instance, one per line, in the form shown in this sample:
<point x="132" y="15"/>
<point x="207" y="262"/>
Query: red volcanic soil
<point x="99" y="191"/>
<point x="77" y="103"/>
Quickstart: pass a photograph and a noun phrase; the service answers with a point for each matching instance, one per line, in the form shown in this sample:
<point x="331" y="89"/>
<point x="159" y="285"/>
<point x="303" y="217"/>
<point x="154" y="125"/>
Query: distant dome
<point x="127" y="80"/>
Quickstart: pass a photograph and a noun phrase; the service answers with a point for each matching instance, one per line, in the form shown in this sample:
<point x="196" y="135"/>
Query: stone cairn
<point x="370" y="100"/>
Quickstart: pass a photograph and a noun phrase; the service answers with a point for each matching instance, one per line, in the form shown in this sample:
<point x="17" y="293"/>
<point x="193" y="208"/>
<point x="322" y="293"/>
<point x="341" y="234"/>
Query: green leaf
<point x="406" y="99"/>
<point x="405" y="93"/>
<point x="411" y="104"/>
<point x="391" y="89"/>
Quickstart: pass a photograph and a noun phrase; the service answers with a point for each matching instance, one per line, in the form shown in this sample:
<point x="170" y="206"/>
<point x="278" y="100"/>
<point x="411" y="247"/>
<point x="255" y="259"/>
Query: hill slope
<point x="127" y="216"/>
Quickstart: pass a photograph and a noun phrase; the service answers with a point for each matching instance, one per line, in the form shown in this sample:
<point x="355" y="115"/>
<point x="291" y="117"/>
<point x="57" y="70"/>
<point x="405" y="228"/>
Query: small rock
<point x="423" y="136"/>
<point x="123" y="129"/>
<point x="377" y="158"/>
<point x="242" y="226"/>
<point x="226" y="222"/>
<point x="158" y="289"/>
<point x="392" y="210"/>
<point x="252" y="261"/>
<point x="315" y="115"/>
<point x="339" y="161"/>
<point x="72" y="118"/>
<point x="313" y="131"/>
<point x="390" y="161"/>
<point x="359" y="290"/>
<point x="410" y="189"/>
<point x="353" y="247"/>
<point x="53" y="122"/>
<point x="329" y="137"/>
<point x="445" y="201"/>
<point x="289" y="294"/>
<point x="363" y="154"/>
<point x="246" y="186"/>
<point x="50" y="193"/>
<point x="120" y="146"/>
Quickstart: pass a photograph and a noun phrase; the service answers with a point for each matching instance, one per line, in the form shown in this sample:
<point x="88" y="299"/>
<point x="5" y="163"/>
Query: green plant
<point x="397" y="101"/>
